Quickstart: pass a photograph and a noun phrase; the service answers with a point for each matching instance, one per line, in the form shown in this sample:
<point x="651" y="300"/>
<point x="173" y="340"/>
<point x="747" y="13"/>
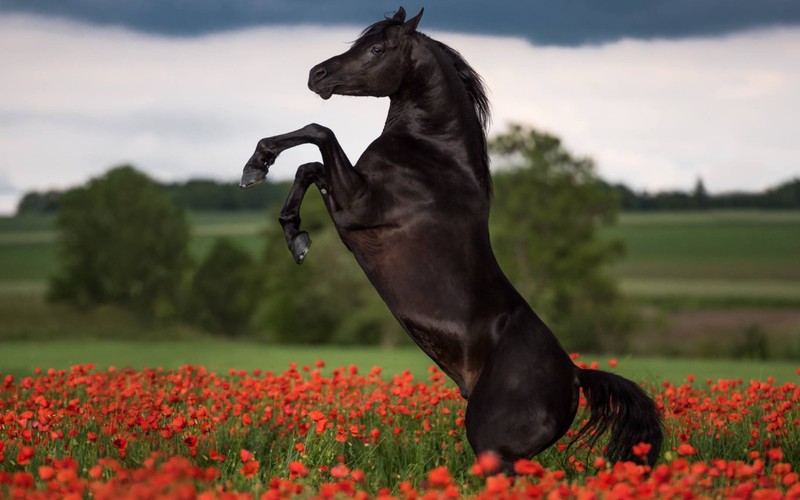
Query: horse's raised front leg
<point x="298" y="240"/>
<point x="267" y="151"/>
<point x="348" y="196"/>
<point x="340" y="171"/>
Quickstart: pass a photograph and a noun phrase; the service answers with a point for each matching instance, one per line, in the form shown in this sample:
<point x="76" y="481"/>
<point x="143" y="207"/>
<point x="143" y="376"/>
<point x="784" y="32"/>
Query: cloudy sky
<point x="658" y="93"/>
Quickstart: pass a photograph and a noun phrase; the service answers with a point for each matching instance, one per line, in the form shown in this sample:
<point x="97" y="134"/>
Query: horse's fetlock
<point x="287" y="217"/>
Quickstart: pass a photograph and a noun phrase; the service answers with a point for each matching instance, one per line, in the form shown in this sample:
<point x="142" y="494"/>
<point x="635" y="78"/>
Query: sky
<point x="659" y="94"/>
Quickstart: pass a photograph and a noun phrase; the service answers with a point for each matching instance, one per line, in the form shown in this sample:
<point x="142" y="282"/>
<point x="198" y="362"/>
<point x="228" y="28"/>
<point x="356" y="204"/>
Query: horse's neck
<point x="429" y="114"/>
<point x="433" y="103"/>
<point x="434" y="106"/>
<point x="443" y="123"/>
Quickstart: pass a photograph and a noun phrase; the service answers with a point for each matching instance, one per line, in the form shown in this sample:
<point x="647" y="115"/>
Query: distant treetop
<point x="207" y="194"/>
<point x="194" y="194"/>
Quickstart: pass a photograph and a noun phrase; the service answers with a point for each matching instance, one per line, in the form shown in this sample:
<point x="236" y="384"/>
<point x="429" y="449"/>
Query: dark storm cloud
<point x="551" y="22"/>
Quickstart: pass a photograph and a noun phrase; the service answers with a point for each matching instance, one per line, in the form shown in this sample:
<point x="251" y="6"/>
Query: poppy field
<point x="312" y="431"/>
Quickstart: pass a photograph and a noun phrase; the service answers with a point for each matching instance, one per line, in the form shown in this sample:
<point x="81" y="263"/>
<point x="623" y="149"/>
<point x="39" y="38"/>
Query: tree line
<point x="124" y="240"/>
<point x="194" y="194"/>
<point x="207" y="194"/>
<point x="784" y="196"/>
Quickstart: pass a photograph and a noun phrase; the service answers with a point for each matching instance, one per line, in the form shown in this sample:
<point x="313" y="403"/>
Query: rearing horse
<point x="414" y="211"/>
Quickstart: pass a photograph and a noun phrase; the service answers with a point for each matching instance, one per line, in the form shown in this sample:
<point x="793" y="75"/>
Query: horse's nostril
<point x="320" y="73"/>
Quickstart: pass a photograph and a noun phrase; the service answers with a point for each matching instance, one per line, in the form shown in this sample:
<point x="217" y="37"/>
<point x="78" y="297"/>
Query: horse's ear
<point x="411" y="25"/>
<point x="400" y="15"/>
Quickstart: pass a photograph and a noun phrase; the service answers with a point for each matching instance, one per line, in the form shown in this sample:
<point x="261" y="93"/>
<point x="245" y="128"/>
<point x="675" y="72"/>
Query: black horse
<point x="414" y="212"/>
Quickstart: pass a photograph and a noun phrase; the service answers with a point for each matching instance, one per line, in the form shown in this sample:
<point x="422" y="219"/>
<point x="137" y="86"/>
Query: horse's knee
<point x="308" y="173"/>
<point x="318" y="133"/>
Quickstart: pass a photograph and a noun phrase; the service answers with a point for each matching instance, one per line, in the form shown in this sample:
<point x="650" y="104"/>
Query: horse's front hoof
<point x="252" y="177"/>
<point x="299" y="247"/>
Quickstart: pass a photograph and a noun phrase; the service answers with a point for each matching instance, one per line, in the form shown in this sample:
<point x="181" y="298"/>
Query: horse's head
<point x="374" y="65"/>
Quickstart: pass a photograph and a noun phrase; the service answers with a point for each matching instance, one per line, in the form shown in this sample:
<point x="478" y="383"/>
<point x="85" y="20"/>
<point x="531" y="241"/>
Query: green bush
<point x="327" y="299"/>
<point x="224" y="290"/>
<point x="547" y="210"/>
<point x="121" y="241"/>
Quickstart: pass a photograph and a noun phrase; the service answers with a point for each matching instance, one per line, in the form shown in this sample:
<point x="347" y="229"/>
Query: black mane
<point x="472" y="81"/>
<point x="473" y="84"/>
<point x="378" y="27"/>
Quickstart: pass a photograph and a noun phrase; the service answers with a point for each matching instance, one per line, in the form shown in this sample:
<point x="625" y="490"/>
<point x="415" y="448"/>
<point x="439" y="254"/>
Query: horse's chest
<point x="442" y="344"/>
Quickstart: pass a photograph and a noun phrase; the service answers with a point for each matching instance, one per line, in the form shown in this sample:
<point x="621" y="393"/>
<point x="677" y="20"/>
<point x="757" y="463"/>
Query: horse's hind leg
<point x="524" y="400"/>
<point x="298" y="240"/>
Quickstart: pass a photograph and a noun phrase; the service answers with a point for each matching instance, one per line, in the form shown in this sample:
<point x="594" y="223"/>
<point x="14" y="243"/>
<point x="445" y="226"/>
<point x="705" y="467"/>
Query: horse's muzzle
<point x="317" y="83"/>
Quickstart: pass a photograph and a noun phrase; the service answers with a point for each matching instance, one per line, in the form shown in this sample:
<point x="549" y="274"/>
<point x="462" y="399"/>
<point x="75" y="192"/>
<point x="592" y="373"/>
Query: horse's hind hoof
<point x="299" y="247"/>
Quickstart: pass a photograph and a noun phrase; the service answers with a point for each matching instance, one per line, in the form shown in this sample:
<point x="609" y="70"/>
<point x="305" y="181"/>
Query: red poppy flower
<point x="439" y="477"/>
<point x="250" y="468"/>
<point x="246" y="455"/>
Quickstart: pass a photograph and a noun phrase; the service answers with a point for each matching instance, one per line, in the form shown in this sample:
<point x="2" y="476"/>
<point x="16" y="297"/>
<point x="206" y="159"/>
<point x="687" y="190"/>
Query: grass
<point x="27" y="316"/>
<point x="731" y="246"/>
<point x="245" y="221"/>
<point x="21" y="357"/>
<point x="27" y="262"/>
<point x="28" y="250"/>
<point x="675" y="262"/>
<point x="243" y="228"/>
<point x="26" y="224"/>
<point x="715" y="290"/>
<point x="745" y="256"/>
<point x="726" y="257"/>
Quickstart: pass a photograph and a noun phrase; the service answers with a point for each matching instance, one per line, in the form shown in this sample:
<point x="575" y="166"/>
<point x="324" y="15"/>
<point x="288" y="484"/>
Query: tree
<point x="121" y="242"/>
<point x="225" y="290"/>
<point x="548" y="206"/>
<point x="325" y="300"/>
<point x="700" y="195"/>
<point x="206" y="194"/>
<point x="785" y="195"/>
<point x="34" y="202"/>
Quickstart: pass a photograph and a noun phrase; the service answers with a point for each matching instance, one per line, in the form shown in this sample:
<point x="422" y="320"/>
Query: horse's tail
<point x="620" y="405"/>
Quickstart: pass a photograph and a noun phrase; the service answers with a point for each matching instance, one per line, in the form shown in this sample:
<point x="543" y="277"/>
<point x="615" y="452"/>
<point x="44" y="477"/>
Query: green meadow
<point x="29" y="253"/>
<point x="710" y="284"/>
<point x="745" y="254"/>
<point x="20" y="358"/>
<point x="741" y="257"/>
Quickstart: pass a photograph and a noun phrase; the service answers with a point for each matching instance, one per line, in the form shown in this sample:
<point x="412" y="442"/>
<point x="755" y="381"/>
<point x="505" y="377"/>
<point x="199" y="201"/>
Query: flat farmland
<point x="244" y="417"/>
<point x="21" y="358"/>
<point x="745" y="256"/>
<point x="29" y="251"/>
<point x="722" y="256"/>
<point x="715" y="245"/>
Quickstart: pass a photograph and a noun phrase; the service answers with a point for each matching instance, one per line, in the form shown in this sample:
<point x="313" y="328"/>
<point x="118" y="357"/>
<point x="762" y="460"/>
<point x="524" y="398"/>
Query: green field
<point x="705" y="280"/>
<point x="707" y="285"/>
<point x="28" y="249"/>
<point x="745" y="257"/>
<point x="732" y="246"/>
<point x="20" y="358"/>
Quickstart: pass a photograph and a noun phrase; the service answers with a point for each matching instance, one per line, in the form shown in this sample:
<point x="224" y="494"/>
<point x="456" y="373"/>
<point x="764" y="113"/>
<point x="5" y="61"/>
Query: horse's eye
<point x="376" y="49"/>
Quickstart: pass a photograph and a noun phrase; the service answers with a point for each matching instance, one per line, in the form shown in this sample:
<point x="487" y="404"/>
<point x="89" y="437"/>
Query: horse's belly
<point x="435" y="280"/>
